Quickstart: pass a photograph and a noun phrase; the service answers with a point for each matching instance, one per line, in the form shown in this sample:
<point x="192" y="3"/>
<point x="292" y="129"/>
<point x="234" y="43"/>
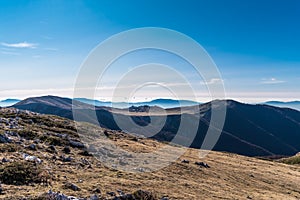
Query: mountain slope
<point x="163" y="103"/>
<point x="229" y="176"/>
<point x="292" y="104"/>
<point x="253" y="130"/>
<point x="8" y="102"/>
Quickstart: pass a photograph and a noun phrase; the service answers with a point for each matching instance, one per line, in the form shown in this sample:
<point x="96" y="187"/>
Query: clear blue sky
<point x="255" y="44"/>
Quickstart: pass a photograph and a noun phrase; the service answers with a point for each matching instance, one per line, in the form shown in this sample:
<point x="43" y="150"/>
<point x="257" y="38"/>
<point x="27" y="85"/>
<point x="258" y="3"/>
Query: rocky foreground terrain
<point x="43" y="158"/>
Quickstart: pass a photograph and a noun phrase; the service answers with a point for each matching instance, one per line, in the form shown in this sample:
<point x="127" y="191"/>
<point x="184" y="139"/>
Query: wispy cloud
<point x="20" y="45"/>
<point x="271" y="81"/>
<point x="213" y="81"/>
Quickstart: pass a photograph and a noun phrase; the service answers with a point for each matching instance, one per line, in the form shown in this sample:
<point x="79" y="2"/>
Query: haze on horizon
<point x="255" y="45"/>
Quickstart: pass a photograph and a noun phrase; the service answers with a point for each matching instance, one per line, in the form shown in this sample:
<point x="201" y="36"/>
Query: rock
<point x="37" y="141"/>
<point x="51" y="149"/>
<point x="12" y="133"/>
<point x="202" y="164"/>
<point x="31" y="158"/>
<point x="164" y="198"/>
<point x="76" y="144"/>
<point x="4" y="139"/>
<point x="122" y="162"/>
<point x="85" y="153"/>
<point x="66" y="150"/>
<point x="141" y="194"/>
<point x="121" y="192"/>
<point x="111" y="193"/>
<point x="126" y="197"/>
<point x="94" y="197"/>
<point x="185" y="161"/>
<point x="97" y="190"/>
<point x="32" y="147"/>
<point x="66" y="159"/>
<point x="140" y="169"/>
<point x="4" y="160"/>
<point x="71" y="186"/>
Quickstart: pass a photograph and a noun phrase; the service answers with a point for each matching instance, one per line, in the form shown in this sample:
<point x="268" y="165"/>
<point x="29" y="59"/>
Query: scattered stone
<point x="111" y="193"/>
<point x="97" y="190"/>
<point x="71" y="186"/>
<point x="66" y="150"/>
<point x="76" y="144"/>
<point x="66" y="159"/>
<point x="94" y="197"/>
<point x="31" y="158"/>
<point x="141" y="194"/>
<point x="122" y="162"/>
<point x="126" y="197"/>
<point x="4" y="160"/>
<point x="140" y="169"/>
<point x="85" y="153"/>
<point x="51" y="149"/>
<point x="37" y="141"/>
<point x="185" y="161"/>
<point x="106" y="133"/>
<point x="57" y="196"/>
<point x="202" y="164"/>
<point x="4" y="139"/>
<point x="121" y="192"/>
<point x="32" y="147"/>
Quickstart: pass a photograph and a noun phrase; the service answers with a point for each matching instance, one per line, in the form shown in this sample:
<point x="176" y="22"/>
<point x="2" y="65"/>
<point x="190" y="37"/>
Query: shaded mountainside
<point x="253" y="130"/>
<point x="38" y="150"/>
<point x="292" y="104"/>
<point x="8" y="102"/>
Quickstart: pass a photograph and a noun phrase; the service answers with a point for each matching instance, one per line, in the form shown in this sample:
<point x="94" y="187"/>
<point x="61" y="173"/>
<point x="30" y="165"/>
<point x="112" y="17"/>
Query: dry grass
<point x="230" y="176"/>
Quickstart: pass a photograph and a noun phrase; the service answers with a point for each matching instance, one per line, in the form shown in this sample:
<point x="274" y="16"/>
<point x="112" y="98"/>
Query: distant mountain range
<point x="253" y="130"/>
<point x="292" y="104"/>
<point x="8" y="102"/>
<point x="163" y="103"/>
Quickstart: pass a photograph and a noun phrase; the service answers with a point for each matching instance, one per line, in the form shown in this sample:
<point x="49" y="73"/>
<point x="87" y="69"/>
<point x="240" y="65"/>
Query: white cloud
<point x="213" y="81"/>
<point x="20" y="45"/>
<point x="271" y="81"/>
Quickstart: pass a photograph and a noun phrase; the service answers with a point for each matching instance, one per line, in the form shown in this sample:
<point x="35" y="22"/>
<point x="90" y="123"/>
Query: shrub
<point x="8" y="148"/>
<point x="53" y="140"/>
<point x="28" y="134"/>
<point x="143" y="195"/>
<point x="292" y="160"/>
<point x="19" y="173"/>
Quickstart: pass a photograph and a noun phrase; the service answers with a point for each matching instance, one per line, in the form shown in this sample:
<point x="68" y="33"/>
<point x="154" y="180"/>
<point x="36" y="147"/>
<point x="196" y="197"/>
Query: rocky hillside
<point x="43" y="158"/>
<point x="251" y="130"/>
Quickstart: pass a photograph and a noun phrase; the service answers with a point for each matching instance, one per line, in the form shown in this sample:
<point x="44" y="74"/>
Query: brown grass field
<point x="230" y="176"/>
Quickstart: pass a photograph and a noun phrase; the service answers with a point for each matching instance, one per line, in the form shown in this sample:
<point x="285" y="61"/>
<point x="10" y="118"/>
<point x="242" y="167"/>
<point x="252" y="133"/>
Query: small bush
<point x="19" y="173"/>
<point x="143" y="195"/>
<point x="292" y="160"/>
<point x="28" y="134"/>
<point x="53" y="140"/>
<point x="8" y="148"/>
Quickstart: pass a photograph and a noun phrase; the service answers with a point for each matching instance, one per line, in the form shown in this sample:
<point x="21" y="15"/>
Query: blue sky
<point x="255" y="44"/>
